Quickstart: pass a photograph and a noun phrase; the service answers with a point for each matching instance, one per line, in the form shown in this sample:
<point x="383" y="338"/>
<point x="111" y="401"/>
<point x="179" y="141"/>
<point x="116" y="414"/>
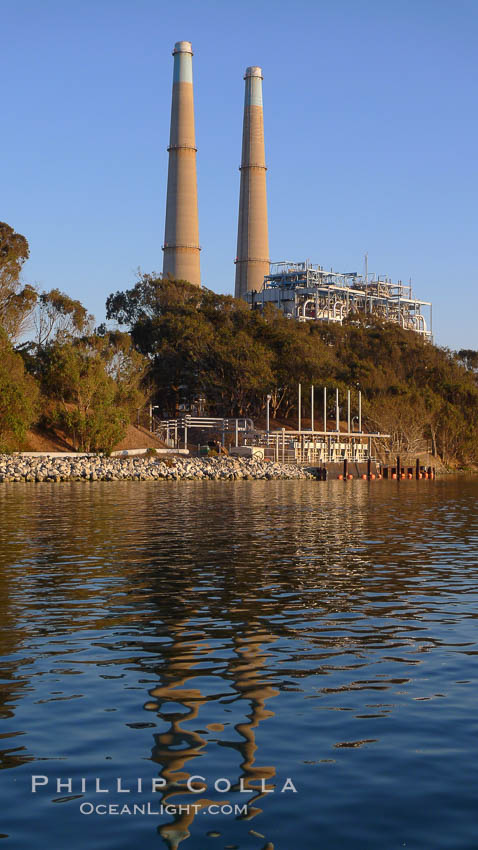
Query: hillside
<point x="203" y="345"/>
<point x="53" y="440"/>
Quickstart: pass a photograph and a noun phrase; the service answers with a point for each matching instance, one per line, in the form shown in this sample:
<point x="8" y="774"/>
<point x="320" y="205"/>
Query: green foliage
<point x="57" y="316"/>
<point x="17" y="301"/>
<point x="94" y="384"/>
<point x="469" y="358"/>
<point x="96" y="429"/>
<point x="199" y="343"/>
<point x="18" y="397"/>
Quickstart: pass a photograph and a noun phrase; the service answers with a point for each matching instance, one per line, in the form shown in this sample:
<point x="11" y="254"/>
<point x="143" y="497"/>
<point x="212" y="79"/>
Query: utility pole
<point x="299" y="408"/>
<point x="366" y="279"/>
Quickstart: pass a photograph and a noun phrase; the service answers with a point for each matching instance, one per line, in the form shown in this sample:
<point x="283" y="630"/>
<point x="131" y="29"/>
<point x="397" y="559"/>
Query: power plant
<point x="181" y="236"/>
<point x="308" y="292"/>
<point x="252" y="260"/>
<point x="302" y="291"/>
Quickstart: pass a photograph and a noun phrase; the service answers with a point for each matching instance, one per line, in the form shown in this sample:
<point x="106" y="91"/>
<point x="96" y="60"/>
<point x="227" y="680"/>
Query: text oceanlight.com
<point x="88" y="808"/>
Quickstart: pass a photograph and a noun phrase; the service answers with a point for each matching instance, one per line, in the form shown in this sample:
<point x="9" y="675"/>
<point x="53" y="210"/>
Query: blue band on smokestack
<point x="183" y="62"/>
<point x="253" y="94"/>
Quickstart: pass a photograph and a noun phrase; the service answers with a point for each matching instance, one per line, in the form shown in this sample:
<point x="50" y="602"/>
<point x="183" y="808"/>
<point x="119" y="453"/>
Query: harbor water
<point x="306" y="650"/>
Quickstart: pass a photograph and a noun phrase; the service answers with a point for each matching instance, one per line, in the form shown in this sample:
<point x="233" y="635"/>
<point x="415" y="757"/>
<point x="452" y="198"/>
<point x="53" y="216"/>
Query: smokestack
<point x="181" y="236"/>
<point x="252" y="261"/>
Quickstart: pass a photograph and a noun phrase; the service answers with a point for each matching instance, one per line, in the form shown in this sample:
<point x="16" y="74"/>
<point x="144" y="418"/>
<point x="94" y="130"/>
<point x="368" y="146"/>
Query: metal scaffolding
<point x="308" y="292"/>
<point x="309" y="446"/>
<point x="314" y="447"/>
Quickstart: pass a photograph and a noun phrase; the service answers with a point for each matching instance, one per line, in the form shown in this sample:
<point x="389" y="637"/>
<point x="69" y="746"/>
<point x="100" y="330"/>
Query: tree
<point x="17" y="301"/>
<point x="94" y="383"/>
<point x="126" y="366"/>
<point x="403" y="417"/>
<point x="18" y="397"/>
<point x="469" y="358"/>
<point x="57" y="316"/>
<point x="150" y="298"/>
<point x="199" y="343"/>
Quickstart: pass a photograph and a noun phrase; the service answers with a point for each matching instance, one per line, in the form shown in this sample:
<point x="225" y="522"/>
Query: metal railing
<point x="311" y="449"/>
<point x="169" y="430"/>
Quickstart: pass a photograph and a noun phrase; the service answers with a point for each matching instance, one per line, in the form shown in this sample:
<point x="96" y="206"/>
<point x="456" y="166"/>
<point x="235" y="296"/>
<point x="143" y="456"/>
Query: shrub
<point x="18" y="397"/>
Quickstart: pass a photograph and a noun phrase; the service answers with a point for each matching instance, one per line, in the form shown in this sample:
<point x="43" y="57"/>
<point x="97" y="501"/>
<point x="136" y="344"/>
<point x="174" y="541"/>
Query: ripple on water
<point x="315" y="630"/>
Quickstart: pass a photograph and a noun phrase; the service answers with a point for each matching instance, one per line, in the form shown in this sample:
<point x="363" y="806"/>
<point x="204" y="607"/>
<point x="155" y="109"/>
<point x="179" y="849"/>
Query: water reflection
<point x="178" y="745"/>
<point x="255" y="631"/>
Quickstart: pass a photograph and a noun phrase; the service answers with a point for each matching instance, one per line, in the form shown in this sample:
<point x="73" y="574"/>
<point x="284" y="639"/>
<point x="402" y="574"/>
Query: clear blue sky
<point x="371" y="139"/>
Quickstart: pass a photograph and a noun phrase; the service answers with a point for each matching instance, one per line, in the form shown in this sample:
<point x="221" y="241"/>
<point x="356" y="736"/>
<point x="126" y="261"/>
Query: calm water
<point x="326" y="632"/>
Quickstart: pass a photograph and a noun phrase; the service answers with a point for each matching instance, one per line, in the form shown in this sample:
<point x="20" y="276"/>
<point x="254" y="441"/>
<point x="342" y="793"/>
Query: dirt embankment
<point x="46" y="440"/>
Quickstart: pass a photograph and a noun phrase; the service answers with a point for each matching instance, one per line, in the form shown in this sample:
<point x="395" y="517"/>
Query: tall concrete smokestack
<point x="181" y="236"/>
<point x="252" y="261"/>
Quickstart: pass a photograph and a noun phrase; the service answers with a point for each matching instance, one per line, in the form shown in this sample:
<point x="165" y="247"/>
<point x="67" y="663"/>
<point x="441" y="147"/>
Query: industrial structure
<point x="302" y="291"/>
<point x="323" y="444"/>
<point x="181" y="238"/>
<point x="252" y="260"/>
<point x="309" y="292"/>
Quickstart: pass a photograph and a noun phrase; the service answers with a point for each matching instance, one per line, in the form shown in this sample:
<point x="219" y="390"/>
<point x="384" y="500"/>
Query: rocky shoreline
<point x="144" y="468"/>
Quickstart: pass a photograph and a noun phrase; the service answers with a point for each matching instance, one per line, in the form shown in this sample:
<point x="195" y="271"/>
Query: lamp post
<point x="152" y="408"/>
<point x="267" y="413"/>
<point x="359" y="392"/>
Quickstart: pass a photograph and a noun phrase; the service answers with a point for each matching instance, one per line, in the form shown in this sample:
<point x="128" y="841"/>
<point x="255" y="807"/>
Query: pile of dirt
<point x="139" y="438"/>
<point x="46" y="440"/>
